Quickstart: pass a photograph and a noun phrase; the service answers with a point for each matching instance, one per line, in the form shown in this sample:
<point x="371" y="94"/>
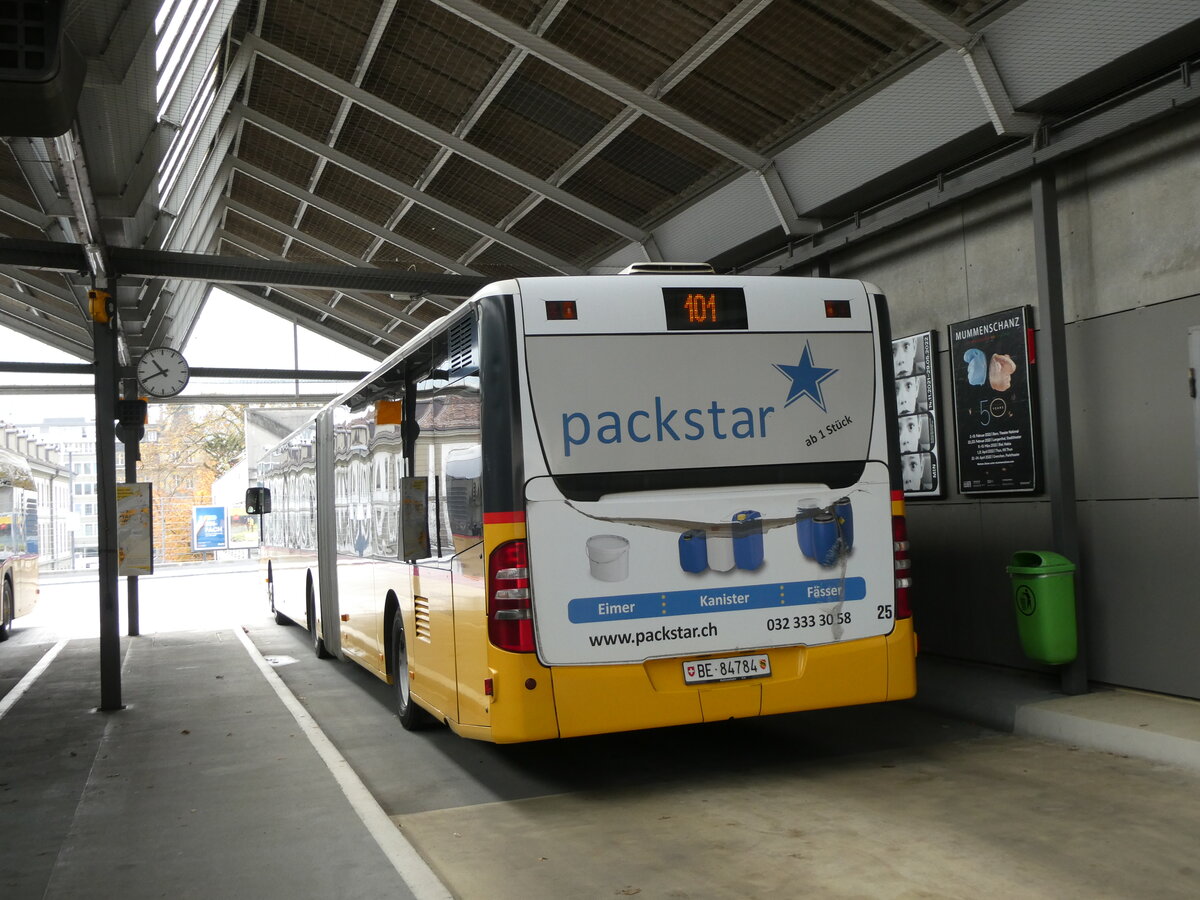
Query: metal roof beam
<point x="382" y="17"/>
<point x="57" y="290"/>
<point x="15" y="321"/>
<point x="288" y="231"/>
<point x="608" y="84"/>
<point x="55" y="308"/>
<point x="319" y="328"/>
<point x="360" y="222"/>
<point x="17" y="306"/>
<point x="409" y="192"/>
<point x="437" y="135"/>
<point x="347" y="317"/>
<point x="978" y="59"/>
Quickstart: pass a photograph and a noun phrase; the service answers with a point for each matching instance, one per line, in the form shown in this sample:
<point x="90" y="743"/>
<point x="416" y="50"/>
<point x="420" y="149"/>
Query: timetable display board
<point x="995" y="414"/>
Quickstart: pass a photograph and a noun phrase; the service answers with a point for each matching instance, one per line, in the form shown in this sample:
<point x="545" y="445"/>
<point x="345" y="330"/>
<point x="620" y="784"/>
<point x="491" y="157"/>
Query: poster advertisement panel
<point x="994" y="403"/>
<point x="210" y="528"/>
<point x="914" y="362"/>
<point x="135" y="535"/>
<point x="243" y="528"/>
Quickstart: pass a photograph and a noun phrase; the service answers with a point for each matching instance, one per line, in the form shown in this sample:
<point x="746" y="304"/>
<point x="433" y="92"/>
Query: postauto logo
<point x="659" y="422"/>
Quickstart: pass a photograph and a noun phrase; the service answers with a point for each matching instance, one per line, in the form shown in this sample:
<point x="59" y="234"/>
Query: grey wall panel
<point x="1128" y="217"/>
<point x="963" y="593"/>
<point x="1131" y="411"/>
<point x="969" y="261"/>
<point x="921" y="271"/>
<point x="932" y="105"/>
<point x="1141" y="579"/>
<point x="999" y="251"/>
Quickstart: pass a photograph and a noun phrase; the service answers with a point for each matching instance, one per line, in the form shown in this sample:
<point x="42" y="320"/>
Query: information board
<point x="992" y="361"/>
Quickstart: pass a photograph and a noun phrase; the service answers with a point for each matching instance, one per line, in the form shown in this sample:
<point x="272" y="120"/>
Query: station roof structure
<point x="362" y="166"/>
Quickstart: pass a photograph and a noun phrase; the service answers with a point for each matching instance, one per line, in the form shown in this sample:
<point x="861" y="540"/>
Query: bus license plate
<point x="726" y="668"/>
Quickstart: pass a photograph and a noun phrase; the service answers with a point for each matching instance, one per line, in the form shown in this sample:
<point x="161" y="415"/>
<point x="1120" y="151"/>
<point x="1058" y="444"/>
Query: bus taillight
<point x="510" y="612"/>
<point x="903" y="566"/>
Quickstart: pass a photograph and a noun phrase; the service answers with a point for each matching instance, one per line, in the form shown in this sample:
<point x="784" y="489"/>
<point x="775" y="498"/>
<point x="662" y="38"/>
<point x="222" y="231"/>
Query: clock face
<point x="162" y="372"/>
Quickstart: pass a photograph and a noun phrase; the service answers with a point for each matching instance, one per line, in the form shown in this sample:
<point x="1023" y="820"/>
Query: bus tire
<point x="318" y="642"/>
<point x="412" y="717"/>
<point x="7" y="609"/>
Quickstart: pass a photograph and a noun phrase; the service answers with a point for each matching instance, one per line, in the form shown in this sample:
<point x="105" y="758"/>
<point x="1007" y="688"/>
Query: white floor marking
<point x="10" y="699"/>
<point x="421" y="880"/>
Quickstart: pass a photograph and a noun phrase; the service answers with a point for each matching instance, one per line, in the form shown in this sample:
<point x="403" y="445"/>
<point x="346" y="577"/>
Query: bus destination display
<point x="704" y="309"/>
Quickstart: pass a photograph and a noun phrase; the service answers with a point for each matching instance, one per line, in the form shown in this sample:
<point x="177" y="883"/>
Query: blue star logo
<point x="806" y="379"/>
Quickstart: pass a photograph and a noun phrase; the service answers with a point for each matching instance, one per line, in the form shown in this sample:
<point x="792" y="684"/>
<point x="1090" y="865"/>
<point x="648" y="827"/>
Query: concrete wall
<point x="1130" y="236"/>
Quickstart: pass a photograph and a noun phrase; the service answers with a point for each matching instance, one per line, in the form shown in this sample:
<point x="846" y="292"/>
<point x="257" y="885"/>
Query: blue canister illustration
<point x="693" y="552"/>
<point x="826" y="546"/>
<point x="804" y="530"/>
<point x="747" y="540"/>
<point x="844" y="514"/>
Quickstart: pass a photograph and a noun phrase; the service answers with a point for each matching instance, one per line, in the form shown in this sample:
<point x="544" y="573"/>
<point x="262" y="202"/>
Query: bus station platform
<point x="212" y="781"/>
<point x="205" y="785"/>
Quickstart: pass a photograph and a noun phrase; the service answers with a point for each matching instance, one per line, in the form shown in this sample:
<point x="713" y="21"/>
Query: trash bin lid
<point x="1039" y="562"/>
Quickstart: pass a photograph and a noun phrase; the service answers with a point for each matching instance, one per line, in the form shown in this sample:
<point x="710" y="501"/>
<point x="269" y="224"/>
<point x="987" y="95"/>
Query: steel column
<point x="1059" y="453"/>
<point x="107" y="373"/>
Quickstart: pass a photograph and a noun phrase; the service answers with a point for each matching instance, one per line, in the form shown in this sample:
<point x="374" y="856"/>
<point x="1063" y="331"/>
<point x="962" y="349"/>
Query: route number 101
<point x="701" y="308"/>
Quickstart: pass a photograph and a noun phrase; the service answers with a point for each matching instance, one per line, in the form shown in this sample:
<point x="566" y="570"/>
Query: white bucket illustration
<point x="608" y="556"/>
<point x="720" y="549"/>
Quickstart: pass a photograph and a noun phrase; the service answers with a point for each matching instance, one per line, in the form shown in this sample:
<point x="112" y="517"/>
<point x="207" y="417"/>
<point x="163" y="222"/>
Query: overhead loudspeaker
<point x="41" y="72"/>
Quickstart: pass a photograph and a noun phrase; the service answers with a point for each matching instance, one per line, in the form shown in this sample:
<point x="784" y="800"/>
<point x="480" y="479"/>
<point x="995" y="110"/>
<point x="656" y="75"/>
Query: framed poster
<point x="995" y="415"/>
<point x="210" y="528"/>
<point x="914" y="362"/>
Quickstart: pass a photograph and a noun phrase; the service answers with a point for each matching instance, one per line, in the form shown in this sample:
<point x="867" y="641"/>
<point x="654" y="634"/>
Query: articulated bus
<point x="18" y="540"/>
<point x="589" y="504"/>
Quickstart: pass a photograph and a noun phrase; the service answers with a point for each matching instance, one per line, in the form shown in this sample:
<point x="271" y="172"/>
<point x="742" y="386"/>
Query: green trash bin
<point x="1043" y="585"/>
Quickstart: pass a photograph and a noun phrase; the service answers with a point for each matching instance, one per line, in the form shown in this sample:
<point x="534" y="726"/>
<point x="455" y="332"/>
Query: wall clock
<point x="162" y="372"/>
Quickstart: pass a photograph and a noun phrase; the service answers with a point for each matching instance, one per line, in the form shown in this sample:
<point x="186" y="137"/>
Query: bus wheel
<point x="280" y="618"/>
<point x="7" y="607"/>
<point x="318" y="642"/>
<point x="412" y="717"/>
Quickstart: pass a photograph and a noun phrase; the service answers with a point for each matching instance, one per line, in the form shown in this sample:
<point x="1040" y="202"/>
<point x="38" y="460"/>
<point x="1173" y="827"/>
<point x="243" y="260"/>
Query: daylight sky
<point x="229" y="333"/>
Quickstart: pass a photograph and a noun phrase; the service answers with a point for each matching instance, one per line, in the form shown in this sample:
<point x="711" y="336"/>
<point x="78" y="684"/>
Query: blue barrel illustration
<point x="804" y="530"/>
<point x="693" y="552"/>
<point x="844" y="514"/>
<point x="747" y="540"/>
<point x="826" y="547"/>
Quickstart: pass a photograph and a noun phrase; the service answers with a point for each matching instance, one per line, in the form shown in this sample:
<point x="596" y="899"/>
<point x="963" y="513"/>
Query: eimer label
<point x="707" y="602"/>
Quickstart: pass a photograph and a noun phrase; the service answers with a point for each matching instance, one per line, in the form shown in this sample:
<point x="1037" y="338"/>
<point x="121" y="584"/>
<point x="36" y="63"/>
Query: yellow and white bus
<point x="18" y="540"/>
<point x="590" y="504"/>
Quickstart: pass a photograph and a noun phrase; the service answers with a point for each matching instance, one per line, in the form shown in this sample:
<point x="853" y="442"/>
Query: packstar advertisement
<point x="663" y="573"/>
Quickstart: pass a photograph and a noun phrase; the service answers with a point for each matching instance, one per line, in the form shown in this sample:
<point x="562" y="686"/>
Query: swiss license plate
<point x="726" y="668"/>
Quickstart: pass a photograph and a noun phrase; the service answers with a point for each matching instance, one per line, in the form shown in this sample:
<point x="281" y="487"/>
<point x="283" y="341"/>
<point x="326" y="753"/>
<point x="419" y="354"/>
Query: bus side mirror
<point x="258" y="500"/>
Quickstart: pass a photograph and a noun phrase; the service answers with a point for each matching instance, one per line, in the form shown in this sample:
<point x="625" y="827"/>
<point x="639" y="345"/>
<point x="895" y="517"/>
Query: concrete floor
<point x="213" y="783"/>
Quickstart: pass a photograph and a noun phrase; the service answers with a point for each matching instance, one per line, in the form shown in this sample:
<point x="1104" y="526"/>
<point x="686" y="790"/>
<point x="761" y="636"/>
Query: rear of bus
<point x="701" y="517"/>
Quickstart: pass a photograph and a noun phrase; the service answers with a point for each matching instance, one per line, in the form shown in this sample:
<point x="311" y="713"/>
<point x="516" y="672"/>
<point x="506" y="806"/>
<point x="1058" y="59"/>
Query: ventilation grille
<point x="28" y="39"/>
<point x="421" y="618"/>
<point x="462" y="345"/>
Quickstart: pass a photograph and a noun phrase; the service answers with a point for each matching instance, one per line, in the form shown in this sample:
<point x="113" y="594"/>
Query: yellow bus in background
<point x="589" y="504"/>
<point x="18" y="541"/>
